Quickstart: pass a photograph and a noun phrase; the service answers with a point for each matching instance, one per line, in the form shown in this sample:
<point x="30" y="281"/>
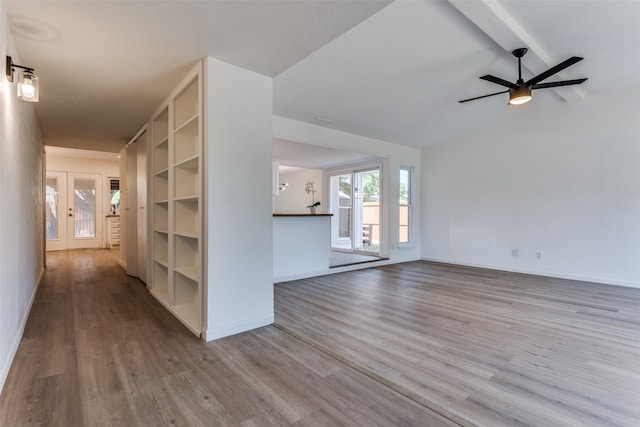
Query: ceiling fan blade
<point x="553" y="70"/>
<point x="498" y="81"/>
<point x="555" y="84"/>
<point x="483" y="96"/>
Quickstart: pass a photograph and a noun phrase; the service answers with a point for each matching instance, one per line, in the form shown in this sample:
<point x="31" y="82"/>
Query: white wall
<point x="82" y="161"/>
<point x="394" y="156"/>
<point x="295" y="199"/>
<point x="22" y="212"/>
<point x="563" y="181"/>
<point x="238" y="169"/>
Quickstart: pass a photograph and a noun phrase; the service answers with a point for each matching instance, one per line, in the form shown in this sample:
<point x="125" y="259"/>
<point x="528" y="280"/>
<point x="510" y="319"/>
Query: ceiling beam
<point x="496" y="23"/>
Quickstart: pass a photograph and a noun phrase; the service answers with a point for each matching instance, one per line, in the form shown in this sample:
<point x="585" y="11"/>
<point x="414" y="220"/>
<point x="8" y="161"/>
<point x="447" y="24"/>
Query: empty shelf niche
<point x="187" y="141"/>
<point x="161" y="157"/>
<point x="161" y="127"/>
<point x="161" y="248"/>
<point x="186" y="257"/>
<point x="186" y="297"/>
<point x="161" y="281"/>
<point x="161" y="215"/>
<point x="187" y="218"/>
<point x="160" y="188"/>
<point x="186" y="105"/>
<point x="186" y="180"/>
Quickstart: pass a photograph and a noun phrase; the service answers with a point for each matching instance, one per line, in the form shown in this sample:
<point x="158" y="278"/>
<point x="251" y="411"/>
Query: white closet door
<point x="131" y="211"/>
<point x="141" y="184"/>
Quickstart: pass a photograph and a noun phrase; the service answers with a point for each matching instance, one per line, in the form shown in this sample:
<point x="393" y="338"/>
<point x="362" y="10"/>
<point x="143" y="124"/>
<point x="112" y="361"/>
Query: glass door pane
<point x="52" y="207"/>
<point x="341" y="205"/>
<point x="84" y="214"/>
<point x="367" y="211"/>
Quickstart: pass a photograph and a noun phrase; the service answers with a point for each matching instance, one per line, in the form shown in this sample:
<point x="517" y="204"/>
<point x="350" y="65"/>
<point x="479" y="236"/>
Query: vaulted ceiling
<point x="387" y="70"/>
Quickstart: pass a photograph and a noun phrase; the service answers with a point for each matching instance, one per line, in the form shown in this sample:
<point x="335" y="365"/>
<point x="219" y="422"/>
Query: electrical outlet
<point x="539" y="255"/>
<point x="514" y="252"/>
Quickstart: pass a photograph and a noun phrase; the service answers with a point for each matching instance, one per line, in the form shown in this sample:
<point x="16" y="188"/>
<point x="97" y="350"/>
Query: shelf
<point x="163" y="141"/>
<point x="186" y="217"/>
<point x="161" y="295"/>
<point x="161" y="247"/>
<point x="160" y="188"/>
<point x="190" y="163"/>
<point x="185" y="290"/>
<point x="186" y="199"/>
<point x="190" y="126"/>
<point x="176" y="218"/>
<point x="160" y="279"/>
<point x="189" y="314"/>
<point x="161" y="156"/>
<point x="186" y="104"/>
<point x="163" y="262"/>
<point x="186" y="256"/>
<point x="161" y="215"/>
<point x="191" y="273"/>
<point x="160" y="127"/>
<point x="190" y="235"/>
<point x="186" y="182"/>
<point x="164" y="173"/>
<point x="187" y="141"/>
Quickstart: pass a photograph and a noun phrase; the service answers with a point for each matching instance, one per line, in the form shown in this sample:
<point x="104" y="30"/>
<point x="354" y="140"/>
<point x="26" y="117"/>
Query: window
<point x="405" y="203"/>
<point x="114" y="196"/>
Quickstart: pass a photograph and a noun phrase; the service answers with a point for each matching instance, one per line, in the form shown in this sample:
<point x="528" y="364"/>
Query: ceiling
<point x="392" y="71"/>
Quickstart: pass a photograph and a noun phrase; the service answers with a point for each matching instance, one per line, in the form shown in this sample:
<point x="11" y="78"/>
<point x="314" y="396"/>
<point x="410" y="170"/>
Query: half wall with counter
<point x="301" y="245"/>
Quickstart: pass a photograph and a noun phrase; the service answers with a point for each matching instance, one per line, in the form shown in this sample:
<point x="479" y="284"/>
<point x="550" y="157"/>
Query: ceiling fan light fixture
<point x="519" y="95"/>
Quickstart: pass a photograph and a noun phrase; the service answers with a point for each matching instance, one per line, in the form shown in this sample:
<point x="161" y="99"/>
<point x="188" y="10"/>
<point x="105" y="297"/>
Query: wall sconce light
<point x="283" y="186"/>
<point x="28" y="83"/>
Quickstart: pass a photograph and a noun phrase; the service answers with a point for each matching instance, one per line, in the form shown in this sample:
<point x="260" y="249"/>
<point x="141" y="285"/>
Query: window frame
<point x="410" y="204"/>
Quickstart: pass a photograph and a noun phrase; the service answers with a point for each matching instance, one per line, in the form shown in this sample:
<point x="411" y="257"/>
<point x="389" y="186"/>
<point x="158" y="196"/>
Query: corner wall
<point x="238" y="193"/>
<point x="22" y="212"/>
<point x="562" y="180"/>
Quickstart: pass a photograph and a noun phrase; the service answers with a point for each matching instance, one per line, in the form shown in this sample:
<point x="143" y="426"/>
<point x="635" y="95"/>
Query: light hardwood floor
<point x="481" y="347"/>
<point x="98" y="350"/>
<point x="414" y="344"/>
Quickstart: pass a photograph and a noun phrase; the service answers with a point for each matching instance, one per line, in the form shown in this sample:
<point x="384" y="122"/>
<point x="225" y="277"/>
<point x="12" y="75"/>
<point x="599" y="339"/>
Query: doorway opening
<point x="355" y="201"/>
<point x="73" y="210"/>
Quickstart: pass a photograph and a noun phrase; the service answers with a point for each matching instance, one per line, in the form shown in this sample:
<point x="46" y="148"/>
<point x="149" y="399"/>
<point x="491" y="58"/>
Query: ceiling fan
<point x="520" y="91"/>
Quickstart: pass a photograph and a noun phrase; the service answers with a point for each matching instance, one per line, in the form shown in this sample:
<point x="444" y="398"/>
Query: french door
<point x="74" y="214"/>
<point x="354" y="201"/>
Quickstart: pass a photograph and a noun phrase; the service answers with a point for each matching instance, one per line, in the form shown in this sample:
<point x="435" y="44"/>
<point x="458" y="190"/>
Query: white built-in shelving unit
<point x="177" y="246"/>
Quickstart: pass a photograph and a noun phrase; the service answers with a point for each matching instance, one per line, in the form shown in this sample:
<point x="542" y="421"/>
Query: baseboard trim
<point x="6" y="366"/>
<point x="344" y="268"/>
<point x="557" y="275"/>
<point x="236" y="328"/>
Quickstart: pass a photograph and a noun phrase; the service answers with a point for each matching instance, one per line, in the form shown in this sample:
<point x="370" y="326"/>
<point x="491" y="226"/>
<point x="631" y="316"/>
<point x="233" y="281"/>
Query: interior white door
<point x="131" y="211"/>
<point x="56" y="211"/>
<point x="141" y="184"/>
<point x="84" y="210"/>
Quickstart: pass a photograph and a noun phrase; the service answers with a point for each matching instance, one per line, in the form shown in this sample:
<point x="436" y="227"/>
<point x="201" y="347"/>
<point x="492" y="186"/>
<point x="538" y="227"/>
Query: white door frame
<point x="66" y="238"/>
<point x="60" y="215"/>
<point x="356" y="212"/>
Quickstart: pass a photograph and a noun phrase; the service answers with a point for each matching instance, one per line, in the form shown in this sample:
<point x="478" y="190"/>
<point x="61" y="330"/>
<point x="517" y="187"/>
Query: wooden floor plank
<point x="98" y="350"/>
<point x="491" y="348"/>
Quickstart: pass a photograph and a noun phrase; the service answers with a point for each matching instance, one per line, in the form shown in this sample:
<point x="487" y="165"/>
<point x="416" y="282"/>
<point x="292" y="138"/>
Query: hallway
<point x="99" y="350"/>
